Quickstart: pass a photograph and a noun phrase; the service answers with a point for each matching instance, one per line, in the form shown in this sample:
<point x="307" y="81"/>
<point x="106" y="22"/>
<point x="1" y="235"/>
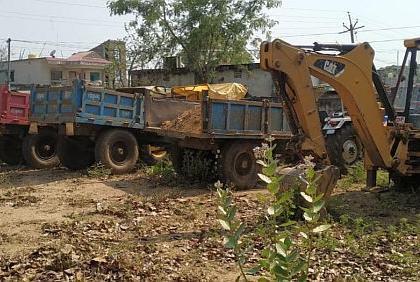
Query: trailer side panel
<point x="87" y="105"/>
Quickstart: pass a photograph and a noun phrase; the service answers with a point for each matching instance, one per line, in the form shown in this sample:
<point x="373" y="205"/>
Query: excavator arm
<point x="350" y="73"/>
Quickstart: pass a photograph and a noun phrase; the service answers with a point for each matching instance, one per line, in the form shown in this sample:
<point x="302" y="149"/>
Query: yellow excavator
<point x="390" y="134"/>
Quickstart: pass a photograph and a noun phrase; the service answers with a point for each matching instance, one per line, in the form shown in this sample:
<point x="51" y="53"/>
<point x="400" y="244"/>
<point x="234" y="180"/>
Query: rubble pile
<point x="187" y="122"/>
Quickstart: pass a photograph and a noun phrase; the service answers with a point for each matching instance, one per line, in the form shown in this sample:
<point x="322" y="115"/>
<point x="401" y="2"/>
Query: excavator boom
<point x="351" y="74"/>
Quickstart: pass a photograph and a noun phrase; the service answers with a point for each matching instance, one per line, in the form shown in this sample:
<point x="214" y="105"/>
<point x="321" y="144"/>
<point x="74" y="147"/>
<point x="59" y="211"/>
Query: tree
<point x="3" y="63"/>
<point x="205" y="33"/>
<point x="3" y="55"/>
<point x="139" y="55"/>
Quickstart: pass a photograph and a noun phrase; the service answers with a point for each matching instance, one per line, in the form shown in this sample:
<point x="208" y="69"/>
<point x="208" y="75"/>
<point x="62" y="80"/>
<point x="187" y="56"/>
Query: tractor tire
<point x="152" y="155"/>
<point x="239" y="165"/>
<point x="11" y="150"/>
<point x="344" y="148"/>
<point x="75" y="153"/>
<point x="405" y="183"/>
<point x="40" y="150"/>
<point x="118" y="150"/>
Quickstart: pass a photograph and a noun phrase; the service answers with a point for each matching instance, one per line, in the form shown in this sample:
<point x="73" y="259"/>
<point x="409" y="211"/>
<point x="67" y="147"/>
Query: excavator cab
<point x="407" y="91"/>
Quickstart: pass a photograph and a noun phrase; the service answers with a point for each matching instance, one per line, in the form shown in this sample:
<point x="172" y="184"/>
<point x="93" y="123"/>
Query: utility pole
<point x="8" y="62"/>
<point x="352" y="27"/>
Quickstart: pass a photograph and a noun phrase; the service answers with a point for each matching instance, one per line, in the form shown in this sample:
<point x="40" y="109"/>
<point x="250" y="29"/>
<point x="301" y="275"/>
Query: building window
<point x="237" y="74"/>
<point x="95" y="76"/>
<point x="73" y="75"/>
<point x="12" y="76"/>
<point x="56" y="76"/>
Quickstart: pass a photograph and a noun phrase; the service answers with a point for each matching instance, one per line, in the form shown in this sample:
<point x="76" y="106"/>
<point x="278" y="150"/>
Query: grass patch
<point x="163" y="172"/>
<point x="356" y="177"/>
<point x="98" y="170"/>
<point x="382" y="179"/>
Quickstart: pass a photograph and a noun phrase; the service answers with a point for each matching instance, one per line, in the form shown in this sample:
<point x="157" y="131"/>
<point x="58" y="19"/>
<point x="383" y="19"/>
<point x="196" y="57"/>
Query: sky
<point x="40" y="26"/>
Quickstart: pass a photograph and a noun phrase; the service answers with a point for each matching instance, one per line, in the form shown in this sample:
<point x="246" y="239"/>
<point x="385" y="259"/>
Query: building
<point x="116" y="72"/>
<point x="3" y="71"/>
<point x="258" y="82"/>
<point x="389" y="75"/>
<point x="57" y="71"/>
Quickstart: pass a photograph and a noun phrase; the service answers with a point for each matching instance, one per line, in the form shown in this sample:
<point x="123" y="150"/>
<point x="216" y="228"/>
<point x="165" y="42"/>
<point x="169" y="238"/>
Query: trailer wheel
<point x="240" y="165"/>
<point x="75" y="153"/>
<point x="11" y="150"/>
<point x="344" y="149"/>
<point x="151" y="155"/>
<point x="118" y="150"/>
<point x="40" y="150"/>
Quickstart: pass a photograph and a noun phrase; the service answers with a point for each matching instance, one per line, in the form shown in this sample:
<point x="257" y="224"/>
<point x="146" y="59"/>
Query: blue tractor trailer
<point x="111" y="127"/>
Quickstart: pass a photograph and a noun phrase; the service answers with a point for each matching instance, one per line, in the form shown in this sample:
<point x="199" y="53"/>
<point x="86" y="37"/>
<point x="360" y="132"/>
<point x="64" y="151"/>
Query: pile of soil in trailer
<point x="188" y="122"/>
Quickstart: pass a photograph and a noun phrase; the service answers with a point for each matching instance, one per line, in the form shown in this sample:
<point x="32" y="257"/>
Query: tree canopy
<point x="205" y="33"/>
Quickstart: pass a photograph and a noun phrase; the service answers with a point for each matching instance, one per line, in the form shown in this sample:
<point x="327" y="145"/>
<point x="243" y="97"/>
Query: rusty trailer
<point x="214" y="139"/>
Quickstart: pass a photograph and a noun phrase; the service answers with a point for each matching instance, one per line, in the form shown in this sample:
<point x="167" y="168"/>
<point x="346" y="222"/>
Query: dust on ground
<point x="187" y="122"/>
<point x="62" y="225"/>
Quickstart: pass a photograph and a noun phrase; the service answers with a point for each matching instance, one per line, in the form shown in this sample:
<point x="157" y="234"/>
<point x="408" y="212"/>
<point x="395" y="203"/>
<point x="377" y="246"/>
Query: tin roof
<point x="83" y="58"/>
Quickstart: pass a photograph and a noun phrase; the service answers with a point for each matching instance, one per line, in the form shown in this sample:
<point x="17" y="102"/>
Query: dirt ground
<point x="62" y="225"/>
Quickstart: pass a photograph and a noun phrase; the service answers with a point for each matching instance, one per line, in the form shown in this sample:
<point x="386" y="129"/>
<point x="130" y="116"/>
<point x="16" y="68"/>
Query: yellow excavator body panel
<point x="350" y="73"/>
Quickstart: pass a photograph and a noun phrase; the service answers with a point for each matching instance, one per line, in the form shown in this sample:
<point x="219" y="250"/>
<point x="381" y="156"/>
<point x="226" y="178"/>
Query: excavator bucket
<point x="328" y="180"/>
<point x="294" y="177"/>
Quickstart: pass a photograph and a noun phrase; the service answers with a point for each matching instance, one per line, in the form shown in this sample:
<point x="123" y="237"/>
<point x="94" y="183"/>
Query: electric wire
<point x="71" y="4"/>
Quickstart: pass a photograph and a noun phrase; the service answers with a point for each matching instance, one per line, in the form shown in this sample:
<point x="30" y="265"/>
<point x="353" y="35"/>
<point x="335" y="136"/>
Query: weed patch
<point x="98" y="170"/>
<point x="356" y="178"/>
<point x="163" y="172"/>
